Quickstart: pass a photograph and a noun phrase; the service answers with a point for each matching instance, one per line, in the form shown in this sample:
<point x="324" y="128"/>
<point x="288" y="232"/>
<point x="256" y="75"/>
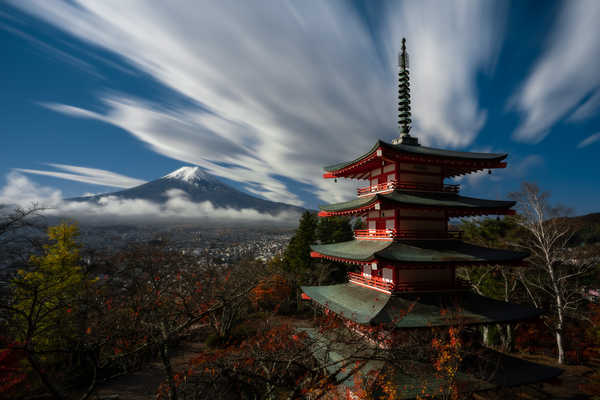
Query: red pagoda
<point x="406" y="256"/>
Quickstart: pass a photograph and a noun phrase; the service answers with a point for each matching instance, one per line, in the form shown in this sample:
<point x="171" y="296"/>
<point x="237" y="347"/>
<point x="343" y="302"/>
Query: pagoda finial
<point x="404" y="100"/>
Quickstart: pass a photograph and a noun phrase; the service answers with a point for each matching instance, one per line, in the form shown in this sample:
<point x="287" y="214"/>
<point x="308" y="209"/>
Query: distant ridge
<point x="199" y="186"/>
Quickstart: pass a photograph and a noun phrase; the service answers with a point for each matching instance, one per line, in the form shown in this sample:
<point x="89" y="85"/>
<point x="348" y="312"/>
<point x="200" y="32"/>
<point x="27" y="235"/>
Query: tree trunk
<point x="508" y="343"/>
<point x="166" y="360"/>
<point x="487" y="339"/>
<point x="43" y="377"/>
<point x="559" y="344"/>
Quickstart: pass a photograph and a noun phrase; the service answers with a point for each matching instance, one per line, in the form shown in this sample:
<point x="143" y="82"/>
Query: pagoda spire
<point x="404" y="100"/>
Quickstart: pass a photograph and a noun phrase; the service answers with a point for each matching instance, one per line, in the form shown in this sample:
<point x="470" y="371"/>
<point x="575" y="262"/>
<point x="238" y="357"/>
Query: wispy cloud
<point x="287" y="87"/>
<point x="92" y="176"/>
<point x="565" y="74"/>
<point x="589" y="140"/>
<point x="178" y="208"/>
<point x="451" y="42"/>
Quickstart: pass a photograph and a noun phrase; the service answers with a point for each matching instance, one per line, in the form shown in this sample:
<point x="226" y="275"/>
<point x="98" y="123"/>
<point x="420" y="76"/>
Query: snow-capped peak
<point x="189" y="174"/>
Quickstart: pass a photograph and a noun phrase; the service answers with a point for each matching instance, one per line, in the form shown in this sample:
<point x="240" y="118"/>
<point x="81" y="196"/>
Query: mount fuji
<point x="198" y="186"/>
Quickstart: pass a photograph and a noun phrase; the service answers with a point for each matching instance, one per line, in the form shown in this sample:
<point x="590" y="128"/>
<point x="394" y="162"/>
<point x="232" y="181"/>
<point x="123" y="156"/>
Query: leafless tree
<point x="553" y="280"/>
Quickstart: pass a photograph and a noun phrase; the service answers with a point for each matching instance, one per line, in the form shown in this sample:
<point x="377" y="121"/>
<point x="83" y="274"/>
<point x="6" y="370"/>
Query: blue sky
<point x="101" y="95"/>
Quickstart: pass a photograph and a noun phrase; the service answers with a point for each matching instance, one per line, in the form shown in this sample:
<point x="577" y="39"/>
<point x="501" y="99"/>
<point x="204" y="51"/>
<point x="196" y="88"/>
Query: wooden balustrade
<point x="378" y="283"/>
<point x="391" y="234"/>
<point x="426" y="187"/>
<point x="373" y="282"/>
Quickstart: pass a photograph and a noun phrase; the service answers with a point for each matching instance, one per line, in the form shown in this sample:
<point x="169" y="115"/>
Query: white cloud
<point x="449" y="44"/>
<point x="566" y="73"/>
<point x="589" y="140"/>
<point x="92" y="176"/>
<point x="178" y="208"/>
<point x="587" y="109"/>
<point x="288" y="86"/>
<point x="21" y="191"/>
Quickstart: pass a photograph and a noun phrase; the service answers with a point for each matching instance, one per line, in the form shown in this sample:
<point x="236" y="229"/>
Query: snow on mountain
<point x="190" y="175"/>
<point x="198" y="186"/>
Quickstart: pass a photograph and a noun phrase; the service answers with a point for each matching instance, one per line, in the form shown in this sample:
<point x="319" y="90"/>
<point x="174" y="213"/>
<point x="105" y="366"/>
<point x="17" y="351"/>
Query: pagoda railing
<point x="373" y="282"/>
<point x="391" y="234"/>
<point x="378" y="283"/>
<point x="426" y="187"/>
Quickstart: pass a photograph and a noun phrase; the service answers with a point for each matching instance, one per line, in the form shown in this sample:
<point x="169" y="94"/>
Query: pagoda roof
<point x="416" y="310"/>
<point x="418" y="380"/>
<point x="417" y="251"/>
<point x="420" y="151"/>
<point x="420" y="199"/>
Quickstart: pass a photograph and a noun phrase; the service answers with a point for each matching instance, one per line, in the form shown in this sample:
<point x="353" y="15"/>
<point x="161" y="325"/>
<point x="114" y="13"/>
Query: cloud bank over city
<point x="178" y="208"/>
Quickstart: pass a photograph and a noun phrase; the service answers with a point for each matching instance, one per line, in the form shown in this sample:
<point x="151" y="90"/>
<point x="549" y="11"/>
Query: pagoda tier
<point x="412" y="265"/>
<point x="452" y="204"/>
<point x="412" y="159"/>
<point x="416" y="253"/>
<point x="416" y="309"/>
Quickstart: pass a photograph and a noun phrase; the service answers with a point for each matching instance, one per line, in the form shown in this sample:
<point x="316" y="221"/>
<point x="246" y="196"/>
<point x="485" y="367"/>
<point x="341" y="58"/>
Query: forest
<point x="74" y="319"/>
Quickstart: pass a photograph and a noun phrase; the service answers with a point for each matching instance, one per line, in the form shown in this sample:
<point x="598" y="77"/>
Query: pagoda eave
<point x="363" y="305"/>
<point x="454" y="163"/>
<point x="452" y="212"/>
<point x="417" y="265"/>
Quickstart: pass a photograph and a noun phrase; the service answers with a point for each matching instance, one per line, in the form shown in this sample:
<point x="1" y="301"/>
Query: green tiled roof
<point x="421" y="150"/>
<point x="416" y="251"/>
<point x="360" y="250"/>
<point x="419" y="378"/>
<point x="415" y="310"/>
<point x="425" y="199"/>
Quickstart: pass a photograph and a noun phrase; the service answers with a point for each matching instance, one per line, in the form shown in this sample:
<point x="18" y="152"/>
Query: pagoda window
<point x="367" y="271"/>
<point x="388" y="213"/>
<point x="388" y="275"/>
<point x="390" y="223"/>
<point x="372" y="224"/>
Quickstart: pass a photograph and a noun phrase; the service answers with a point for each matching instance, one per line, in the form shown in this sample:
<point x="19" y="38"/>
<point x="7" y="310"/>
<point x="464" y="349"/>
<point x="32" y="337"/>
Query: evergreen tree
<point x="334" y="230"/>
<point x="297" y="259"/>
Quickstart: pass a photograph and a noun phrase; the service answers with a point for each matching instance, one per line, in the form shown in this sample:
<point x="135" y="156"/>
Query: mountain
<point x="199" y="186"/>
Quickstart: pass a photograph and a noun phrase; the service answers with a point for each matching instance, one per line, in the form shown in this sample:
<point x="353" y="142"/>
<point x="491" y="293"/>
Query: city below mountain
<point x="198" y="187"/>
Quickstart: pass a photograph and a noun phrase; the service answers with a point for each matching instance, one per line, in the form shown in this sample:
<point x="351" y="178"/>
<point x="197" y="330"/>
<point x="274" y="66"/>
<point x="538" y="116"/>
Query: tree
<point x="554" y="279"/>
<point x="334" y="230"/>
<point x="46" y="300"/>
<point x="497" y="281"/>
<point x="16" y="228"/>
<point x="297" y="255"/>
<point x="158" y="294"/>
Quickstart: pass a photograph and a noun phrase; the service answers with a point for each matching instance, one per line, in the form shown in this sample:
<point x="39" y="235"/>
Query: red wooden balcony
<point x="379" y="284"/>
<point x="391" y="234"/>
<point x="426" y="187"/>
<point x="388" y="234"/>
<point x="373" y="282"/>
